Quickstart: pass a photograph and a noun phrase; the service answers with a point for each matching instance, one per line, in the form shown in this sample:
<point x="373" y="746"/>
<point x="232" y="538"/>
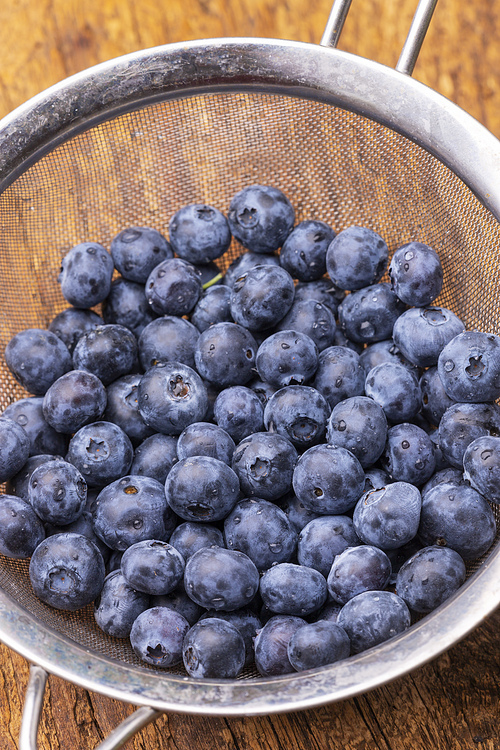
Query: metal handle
<point x="412" y="45"/>
<point x="33" y="704"/>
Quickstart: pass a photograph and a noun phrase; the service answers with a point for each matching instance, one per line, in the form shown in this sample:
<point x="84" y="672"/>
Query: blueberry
<point x="199" y="233"/>
<point x="372" y="618"/>
<point x="101" y="451"/>
<point x="287" y="358"/>
<point x="441" y="461"/>
<point x="383" y="351"/>
<point x="114" y="560"/>
<point x="261" y="297"/>
<point x="74" y="400"/>
<point x="290" y="589"/>
<point x="340" y="339"/>
<point x="329" y="612"/>
<point x="126" y="305"/>
<point x="123" y="410"/>
<point x="463" y="423"/>
<point x="152" y="566"/>
<point x="393" y="387"/>
<point x="312" y="318"/>
<point x="69" y="325"/>
<point x="190" y="536"/>
<point x="409" y="454"/>
<point x="86" y="272"/>
<point x="212" y="307"/>
<point x="358" y="424"/>
<point x="238" y="411"/>
<point x="457" y="517"/>
<point x="205" y="439"/>
<point x="21" y="530"/>
<point x="225" y="354"/>
<point x="322" y="539"/>
<point x="14" y="448"/>
<point x="356" y="257"/>
<point x="400" y="555"/>
<point x="469" y="367"/>
<point x="118" y="606"/>
<point x="318" y="644"/>
<point x="137" y="250"/>
<point x="271" y="645"/>
<point x="296" y="512"/>
<point x="37" y="358"/>
<point x="422" y="332"/>
<point x="389" y="517"/>
<point x="262" y="531"/>
<point x="67" y="571"/>
<point x="322" y="291"/>
<point x="212" y="393"/>
<point x="376" y="479"/>
<point x="303" y="253"/>
<point x="201" y="488"/>
<point x="221" y="579"/>
<point x="28" y="413"/>
<point x="83" y="525"/>
<point x="213" y="648"/>
<point x="261" y="218"/>
<point x="262" y="389"/>
<point x="435" y="400"/>
<point x="108" y="352"/>
<point x="416" y="274"/>
<point x="245" y="262"/>
<point x="155" y="456"/>
<point x="299" y="413"/>
<point x="18" y="484"/>
<point x="246" y="622"/>
<point x="167" y="339"/>
<point x="132" y="509"/>
<point x="179" y="601"/>
<point x="171" y="396"/>
<point x="449" y="475"/>
<point x="358" y="569"/>
<point x="482" y="467"/>
<point x="339" y="374"/>
<point x="57" y="492"/>
<point x="173" y="287"/>
<point x="328" y="480"/>
<point x="430" y="577"/>
<point x="369" y="314"/>
<point x="264" y="463"/>
<point x="157" y="636"/>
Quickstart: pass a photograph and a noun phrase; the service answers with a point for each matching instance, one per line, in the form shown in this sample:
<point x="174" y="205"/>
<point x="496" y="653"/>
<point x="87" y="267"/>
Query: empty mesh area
<point x="138" y="169"/>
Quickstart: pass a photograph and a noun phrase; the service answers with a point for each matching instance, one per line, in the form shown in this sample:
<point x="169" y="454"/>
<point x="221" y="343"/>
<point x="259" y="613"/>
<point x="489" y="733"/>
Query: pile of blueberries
<point x="281" y="464"/>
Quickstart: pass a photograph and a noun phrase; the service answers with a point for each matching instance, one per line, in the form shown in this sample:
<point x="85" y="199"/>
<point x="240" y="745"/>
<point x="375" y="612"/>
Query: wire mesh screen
<point x="140" y="168"/>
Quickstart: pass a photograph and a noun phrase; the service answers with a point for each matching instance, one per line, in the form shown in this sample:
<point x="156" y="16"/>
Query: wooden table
<point x="452" y="703"/>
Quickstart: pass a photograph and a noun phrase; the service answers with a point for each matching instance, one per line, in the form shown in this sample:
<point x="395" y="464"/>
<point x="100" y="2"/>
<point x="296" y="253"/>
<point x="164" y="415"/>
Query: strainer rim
<point x="291" y="68"/>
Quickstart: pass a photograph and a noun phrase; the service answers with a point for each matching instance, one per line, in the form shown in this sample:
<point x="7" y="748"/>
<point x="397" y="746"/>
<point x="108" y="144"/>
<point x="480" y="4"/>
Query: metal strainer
<point x="130" y="141"/>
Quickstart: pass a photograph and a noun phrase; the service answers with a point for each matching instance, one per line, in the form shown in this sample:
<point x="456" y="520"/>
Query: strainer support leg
<point x="33" y="704"/>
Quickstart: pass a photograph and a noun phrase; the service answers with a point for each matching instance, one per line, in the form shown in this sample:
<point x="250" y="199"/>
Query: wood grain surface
<point x="449" y="704"/>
